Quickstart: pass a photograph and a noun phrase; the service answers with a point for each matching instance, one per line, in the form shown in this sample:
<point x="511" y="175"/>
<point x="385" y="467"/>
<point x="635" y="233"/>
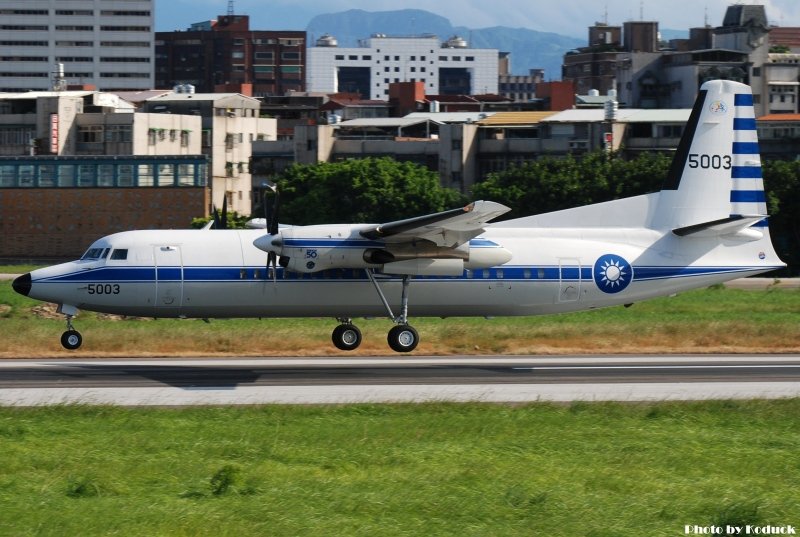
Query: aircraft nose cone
<point x="22" y="284"/>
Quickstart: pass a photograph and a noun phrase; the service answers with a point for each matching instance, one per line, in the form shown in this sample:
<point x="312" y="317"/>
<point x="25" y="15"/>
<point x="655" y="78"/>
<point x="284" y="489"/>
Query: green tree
<point x="782" y="185"/>
<point x="361" y="190"/>
<point x="552" y="183"/>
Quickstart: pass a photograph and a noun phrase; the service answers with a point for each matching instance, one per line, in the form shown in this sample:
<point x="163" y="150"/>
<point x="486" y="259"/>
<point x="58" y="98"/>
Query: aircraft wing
<point x="447" y="228"/>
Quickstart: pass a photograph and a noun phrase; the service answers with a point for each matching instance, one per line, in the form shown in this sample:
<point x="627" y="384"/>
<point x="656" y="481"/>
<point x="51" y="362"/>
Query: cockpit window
<point x="120" y="254"/>
<point x="94" y="253"/>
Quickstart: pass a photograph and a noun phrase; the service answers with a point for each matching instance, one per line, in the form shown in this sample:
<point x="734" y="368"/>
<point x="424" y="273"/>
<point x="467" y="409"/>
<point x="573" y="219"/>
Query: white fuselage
<point x="205" y="274"/>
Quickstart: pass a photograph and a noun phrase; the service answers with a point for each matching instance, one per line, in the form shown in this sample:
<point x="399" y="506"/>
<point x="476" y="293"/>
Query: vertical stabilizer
<point x="716" y="172"/>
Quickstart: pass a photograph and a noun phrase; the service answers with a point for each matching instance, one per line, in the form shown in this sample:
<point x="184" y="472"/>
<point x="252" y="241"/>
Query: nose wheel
<point x="71" y="339"/>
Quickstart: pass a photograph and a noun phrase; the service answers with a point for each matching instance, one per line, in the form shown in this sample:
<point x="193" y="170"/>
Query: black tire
<point x="346" y="337"/>
<point x="403" y="338"/>
<point x="71" y="339"/>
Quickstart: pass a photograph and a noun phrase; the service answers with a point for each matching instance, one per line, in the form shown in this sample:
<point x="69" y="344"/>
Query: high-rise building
<point x="226" y="56"/>
<point x="446" y="68"/>
<point x="55" y="43"/>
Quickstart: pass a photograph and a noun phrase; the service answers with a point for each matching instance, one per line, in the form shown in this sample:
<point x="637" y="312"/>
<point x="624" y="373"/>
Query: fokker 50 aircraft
<point x="707" y="225"/>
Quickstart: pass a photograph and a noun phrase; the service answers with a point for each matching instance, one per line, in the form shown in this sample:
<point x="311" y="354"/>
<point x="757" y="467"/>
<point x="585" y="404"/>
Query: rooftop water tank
<point x="327" y="40"/>
<point x="455" y="42"/>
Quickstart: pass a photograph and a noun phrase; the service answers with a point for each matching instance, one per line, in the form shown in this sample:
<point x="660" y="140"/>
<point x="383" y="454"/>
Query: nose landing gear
<point x="71" y="339"/>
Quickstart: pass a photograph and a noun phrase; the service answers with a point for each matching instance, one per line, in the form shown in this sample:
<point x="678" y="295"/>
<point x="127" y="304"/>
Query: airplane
<point x="707" y="225"/>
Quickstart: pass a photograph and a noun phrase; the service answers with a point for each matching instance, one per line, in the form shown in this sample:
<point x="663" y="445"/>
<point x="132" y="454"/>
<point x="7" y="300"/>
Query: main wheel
<point x="71" y="339"/>
<point x="403" y="338"/>
<point x="346" y="337"/>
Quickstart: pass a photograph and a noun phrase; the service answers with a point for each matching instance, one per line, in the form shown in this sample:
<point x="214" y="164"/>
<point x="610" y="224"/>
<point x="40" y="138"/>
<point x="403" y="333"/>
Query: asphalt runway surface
<point x="392" y="379"/>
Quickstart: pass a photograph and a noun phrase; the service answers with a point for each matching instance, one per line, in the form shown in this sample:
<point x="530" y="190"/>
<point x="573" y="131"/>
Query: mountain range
<point x="529" y="48"/>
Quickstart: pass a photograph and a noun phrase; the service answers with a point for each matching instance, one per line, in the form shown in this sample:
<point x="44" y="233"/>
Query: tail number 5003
<point x="103" y="288"/>
<point x="716" y="162"/>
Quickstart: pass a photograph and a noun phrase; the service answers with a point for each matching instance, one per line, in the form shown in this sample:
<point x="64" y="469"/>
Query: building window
<point x="125" y="175"/>
<point x="105" y="175"/>
<point x="145" y="175"/>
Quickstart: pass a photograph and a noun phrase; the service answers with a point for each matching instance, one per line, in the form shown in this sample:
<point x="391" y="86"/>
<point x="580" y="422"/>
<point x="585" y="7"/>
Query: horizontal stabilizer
<point x="716" y="228"/>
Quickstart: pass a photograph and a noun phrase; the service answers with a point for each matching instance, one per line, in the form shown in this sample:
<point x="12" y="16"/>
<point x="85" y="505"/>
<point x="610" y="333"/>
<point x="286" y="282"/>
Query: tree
<point x="782" y="185"/>
<point x="552" y="184"/>
<point x="361" y="190"/>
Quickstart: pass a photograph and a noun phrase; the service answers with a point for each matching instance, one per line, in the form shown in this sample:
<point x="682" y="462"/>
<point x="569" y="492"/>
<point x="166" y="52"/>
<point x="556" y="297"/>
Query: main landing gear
<point x="402" y="337"/>
<point x="71" y="339"/>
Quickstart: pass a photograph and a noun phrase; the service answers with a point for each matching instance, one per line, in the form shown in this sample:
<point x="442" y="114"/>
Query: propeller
<point x="271" y="219"/>
<point x="221" y="222"/>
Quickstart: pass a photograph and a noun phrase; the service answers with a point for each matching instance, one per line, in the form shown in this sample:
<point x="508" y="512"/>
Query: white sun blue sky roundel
<point x="612" y="273"/>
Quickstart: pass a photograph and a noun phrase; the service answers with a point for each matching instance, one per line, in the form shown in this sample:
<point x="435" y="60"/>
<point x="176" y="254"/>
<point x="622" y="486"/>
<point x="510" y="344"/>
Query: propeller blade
<point x="272" y="223"/>
<point x="224" y="221"/>
<point x="217" y="222"/>
<point x="272" y="266"/>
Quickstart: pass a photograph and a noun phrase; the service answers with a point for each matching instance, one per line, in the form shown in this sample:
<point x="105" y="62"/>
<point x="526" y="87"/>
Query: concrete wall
<point x="63" y="222"/>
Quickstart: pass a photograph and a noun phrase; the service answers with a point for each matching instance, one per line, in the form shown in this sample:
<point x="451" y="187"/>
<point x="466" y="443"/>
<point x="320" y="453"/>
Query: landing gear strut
<point x="71" y="339"/>
<point x="403" y="337"/>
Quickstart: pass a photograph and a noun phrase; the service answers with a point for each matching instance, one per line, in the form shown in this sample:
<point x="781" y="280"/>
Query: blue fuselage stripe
<point x="250" y="274"/>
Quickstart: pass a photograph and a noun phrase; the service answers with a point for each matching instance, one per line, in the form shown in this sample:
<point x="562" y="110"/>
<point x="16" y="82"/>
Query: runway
<point x="390" y="379"/>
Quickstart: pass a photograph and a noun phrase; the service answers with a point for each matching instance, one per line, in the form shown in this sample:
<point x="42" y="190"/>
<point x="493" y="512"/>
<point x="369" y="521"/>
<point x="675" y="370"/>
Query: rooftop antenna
<point x="705" y="16"/>
<point x="641" y="10"/>
<point x="230" y="7"/>
<point x="605" y="16"/>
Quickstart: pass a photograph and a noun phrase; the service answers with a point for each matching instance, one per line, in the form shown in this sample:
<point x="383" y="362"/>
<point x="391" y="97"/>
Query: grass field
<point x="708" y="320"/>
<point x="417" y="470"/>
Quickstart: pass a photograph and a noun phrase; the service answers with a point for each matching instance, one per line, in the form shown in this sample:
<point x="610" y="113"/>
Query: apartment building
<point x="104" y="43"/>
<point x="230" y="124"/>
<point x="225" y="55"/>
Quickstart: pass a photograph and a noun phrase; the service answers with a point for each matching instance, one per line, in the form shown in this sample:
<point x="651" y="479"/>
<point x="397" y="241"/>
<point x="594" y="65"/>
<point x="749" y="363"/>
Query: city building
<point x="464" y="147"/>
<point x="520" y="87"/>
<point x="647" y="73"/>
<point x="231" y="122"/>
<point x="450" y="67"/>
<point x="107" y="44"/>
<point x="225" y="55"/>
<point x="73" y="123"/>
<point x="779" y="136"/>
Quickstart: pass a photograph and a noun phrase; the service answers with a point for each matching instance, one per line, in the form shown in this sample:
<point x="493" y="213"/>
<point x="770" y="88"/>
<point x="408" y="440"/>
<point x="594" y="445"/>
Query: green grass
<point x="707" y="320"/>
<point x="434" y="469"/>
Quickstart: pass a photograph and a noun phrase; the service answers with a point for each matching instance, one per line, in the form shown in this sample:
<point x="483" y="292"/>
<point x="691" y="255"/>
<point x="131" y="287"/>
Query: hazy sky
<point x="568" y="17"/>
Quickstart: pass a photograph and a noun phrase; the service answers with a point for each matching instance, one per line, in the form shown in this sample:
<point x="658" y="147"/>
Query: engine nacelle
<point x="317" y="259"/>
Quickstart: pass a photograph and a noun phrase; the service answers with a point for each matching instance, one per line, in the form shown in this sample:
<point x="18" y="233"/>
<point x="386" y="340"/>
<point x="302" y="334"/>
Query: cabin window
<point x="120" y="254"/>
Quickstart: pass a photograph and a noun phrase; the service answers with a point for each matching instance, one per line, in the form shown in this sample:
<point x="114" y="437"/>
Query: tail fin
<point x="715" y="177"/>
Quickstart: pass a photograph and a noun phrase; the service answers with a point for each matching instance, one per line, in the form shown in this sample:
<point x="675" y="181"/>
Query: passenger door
<point x="169" y="279"/>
